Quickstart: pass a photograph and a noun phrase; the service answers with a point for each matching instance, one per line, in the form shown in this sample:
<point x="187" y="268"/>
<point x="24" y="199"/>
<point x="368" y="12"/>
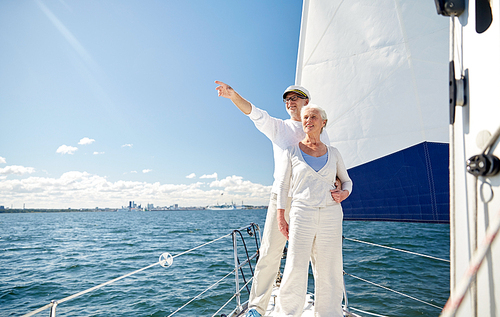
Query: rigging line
<point x="401" y="250"/>
<point x="209" y="242"/>
<point x="246" y="251"/>
<point x="39" y="310"/>
<point x="388" y="289"/>
<point x="216" y="283"/>
<point x="491" y="141"/>
<point x="458" y="293"/>
<point x="256" y="242"/>
<point x="365" y="312"/>
<point x="90" y="289"/>
<point x="115" y="280"/>
<point x="197" y="296"/>
<point x="232" y="297"/>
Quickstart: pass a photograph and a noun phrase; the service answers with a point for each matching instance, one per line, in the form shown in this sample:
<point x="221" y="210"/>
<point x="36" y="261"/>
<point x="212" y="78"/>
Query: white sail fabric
<point x="380" y="69"/>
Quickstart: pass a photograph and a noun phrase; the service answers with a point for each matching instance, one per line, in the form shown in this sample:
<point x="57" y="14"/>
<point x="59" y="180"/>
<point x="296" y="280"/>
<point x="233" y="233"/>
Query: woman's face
<point x="312" y="121"/>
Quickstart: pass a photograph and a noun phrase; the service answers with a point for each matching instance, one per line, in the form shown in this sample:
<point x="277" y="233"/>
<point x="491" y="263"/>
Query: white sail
<point x="380" y="69"/>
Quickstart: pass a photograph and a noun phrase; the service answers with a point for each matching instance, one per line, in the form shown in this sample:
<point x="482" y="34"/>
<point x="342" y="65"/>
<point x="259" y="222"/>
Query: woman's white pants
<point x="314" y="233"/>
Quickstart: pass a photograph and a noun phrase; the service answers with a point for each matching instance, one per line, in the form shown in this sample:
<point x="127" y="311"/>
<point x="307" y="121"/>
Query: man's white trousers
<point x="270" y="252"/>
<point x="314" y="233"/>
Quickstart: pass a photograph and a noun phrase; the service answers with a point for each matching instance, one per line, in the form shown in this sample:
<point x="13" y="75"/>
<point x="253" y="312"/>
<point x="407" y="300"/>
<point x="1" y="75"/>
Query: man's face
<point x="294" y="103"/>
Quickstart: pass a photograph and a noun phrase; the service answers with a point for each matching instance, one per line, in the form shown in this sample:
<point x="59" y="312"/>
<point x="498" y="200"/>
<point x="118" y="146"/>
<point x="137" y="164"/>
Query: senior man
<point x="282" y="133"/>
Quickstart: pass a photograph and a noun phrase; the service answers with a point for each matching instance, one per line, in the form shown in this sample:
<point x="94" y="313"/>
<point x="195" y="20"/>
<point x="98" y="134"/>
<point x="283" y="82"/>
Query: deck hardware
<point x="483" y="165"/>
<point x="457" y="91"/>
<point x="166" y="259"/>
<point x="450" y="7"/>
<point x="484" y="15"/>
<point x="53" y="308"/>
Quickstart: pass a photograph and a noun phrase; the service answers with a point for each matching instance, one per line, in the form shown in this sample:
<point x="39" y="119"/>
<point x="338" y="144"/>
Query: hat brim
<point x="297" y="91"/>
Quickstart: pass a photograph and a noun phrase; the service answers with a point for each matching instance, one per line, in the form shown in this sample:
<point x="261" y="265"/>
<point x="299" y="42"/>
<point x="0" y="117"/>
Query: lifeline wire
<point x="116" y="279"/>
<point x="88" y="290"/>
<point x="216" y="283"/>
<point x="386" y="288"/>
<point x="182" y="253"/>
<point x="232" y="297"/>
<point x="400" y="250"/>
<point x="192" y="299"/>
<point x="365" y="312"/>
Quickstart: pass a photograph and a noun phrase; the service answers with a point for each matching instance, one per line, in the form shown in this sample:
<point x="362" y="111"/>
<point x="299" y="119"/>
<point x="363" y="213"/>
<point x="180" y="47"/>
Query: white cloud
<point x="86" y="141"/>
<point x="127" y="145"/>
<point x="192" y="175"/>
<point x="2" y="160"/>
<point x="97" y="153"/>
<point x="66" y="149"/>
<point x="16" y="169"/>
<point x="146" y="171"/>
<point x="83" y="190"/>
<point x="214" y="175"/>
<point x="133" y="172"/>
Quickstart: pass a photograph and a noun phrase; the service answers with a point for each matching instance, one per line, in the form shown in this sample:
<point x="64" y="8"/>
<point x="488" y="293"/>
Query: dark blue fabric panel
<point x="409" y="185"/>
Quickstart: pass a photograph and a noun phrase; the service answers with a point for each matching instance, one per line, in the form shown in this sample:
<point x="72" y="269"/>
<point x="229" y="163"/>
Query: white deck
<point x="270" y="312"/>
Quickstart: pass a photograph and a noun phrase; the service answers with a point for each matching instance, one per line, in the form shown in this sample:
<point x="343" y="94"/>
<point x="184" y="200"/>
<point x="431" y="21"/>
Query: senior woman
<point x="315" y="229"/>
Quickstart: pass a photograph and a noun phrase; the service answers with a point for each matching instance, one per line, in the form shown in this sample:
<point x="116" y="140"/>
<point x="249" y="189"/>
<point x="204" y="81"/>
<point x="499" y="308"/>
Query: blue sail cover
<point x="409" y="185"/>
<point x="380" y="70"/>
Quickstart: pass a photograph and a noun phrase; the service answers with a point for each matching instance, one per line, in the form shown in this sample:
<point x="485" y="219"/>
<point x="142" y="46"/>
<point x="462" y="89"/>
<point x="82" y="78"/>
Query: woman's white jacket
<point x="306" y="186"/>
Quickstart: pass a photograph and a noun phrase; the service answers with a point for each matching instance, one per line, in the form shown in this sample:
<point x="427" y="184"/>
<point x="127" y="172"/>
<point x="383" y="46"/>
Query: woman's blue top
<point x="316" y="163"/>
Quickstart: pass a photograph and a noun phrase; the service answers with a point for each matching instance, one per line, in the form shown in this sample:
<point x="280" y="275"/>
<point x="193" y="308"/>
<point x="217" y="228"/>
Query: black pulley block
<point x="483" y="165"/>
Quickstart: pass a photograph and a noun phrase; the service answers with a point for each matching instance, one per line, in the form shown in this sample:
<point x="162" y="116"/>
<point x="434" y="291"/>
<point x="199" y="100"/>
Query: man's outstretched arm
<point x="226" y="91"/>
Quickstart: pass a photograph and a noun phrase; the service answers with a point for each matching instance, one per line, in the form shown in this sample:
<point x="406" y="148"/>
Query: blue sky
<point x="102" y="102"/>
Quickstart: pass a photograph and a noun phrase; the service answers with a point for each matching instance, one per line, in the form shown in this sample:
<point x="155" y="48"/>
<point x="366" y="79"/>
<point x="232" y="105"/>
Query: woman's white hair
<point x="322" y="112"/>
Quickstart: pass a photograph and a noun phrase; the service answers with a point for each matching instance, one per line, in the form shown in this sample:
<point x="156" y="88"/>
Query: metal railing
<point x="165" y="260"/>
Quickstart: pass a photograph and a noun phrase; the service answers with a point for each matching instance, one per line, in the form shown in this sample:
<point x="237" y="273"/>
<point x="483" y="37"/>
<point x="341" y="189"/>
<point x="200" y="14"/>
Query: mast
<point x="474" y="165"/>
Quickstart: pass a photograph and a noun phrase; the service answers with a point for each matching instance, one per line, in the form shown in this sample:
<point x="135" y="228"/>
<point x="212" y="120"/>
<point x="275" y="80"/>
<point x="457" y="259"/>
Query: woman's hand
<point x="282" y="224"/>
<point x="339" y="195"/>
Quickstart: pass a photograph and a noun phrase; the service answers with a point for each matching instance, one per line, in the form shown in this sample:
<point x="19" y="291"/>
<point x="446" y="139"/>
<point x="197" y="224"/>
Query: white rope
<point x="459" y="292"/>
<point x="386" y="288"/>
<point x="400" y="250"/>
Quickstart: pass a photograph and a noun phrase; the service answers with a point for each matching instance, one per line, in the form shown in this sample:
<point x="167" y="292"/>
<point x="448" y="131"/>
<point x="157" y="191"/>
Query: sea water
<point x="49" y="256"/>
